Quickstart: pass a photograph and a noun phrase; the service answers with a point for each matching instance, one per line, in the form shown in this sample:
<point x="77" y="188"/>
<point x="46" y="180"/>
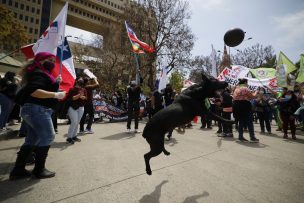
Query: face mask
<point x="288" y="97"/>
<point x="80" y="83"/>
<point x="49" y="65"/>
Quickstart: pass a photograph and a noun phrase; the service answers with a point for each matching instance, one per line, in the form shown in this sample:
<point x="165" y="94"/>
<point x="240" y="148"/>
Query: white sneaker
<point x="128" y="131"/>
<point x="86" y="131"/>
<point x="137" y="131"/>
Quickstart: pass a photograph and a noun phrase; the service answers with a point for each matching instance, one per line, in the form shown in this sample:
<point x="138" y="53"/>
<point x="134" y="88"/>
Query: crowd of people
<point x="38" y="95"/>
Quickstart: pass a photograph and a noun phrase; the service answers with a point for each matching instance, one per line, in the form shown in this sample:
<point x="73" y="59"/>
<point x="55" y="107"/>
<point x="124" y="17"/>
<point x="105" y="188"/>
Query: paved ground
<point x="109" y="167"/>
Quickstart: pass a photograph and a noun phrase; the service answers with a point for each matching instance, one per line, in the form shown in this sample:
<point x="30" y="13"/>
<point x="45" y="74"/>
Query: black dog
<point x="186" y="106"/>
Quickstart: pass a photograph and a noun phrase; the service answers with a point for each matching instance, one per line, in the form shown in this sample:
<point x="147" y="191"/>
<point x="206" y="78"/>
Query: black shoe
<point x="219" y="131"/>
<point x="19" y="170"/>
<point x="243" y="139"/>
<point x="70" y="141"/>
<point x="254" y="139"/>
<point x="39" y="170"/>
<point x="76" y="139"/>
<point x="209" y="127"/>
<point x="21" y="135"/>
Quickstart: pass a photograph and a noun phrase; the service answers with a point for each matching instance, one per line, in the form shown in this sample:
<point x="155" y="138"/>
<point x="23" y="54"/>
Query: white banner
<point x="231" y="78"/>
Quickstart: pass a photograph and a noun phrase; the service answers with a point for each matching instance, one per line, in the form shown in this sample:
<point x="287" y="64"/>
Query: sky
<point x="279" y="23"/>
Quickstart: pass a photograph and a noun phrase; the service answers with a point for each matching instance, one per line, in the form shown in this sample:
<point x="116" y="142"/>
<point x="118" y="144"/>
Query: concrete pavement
<point x="108" y="166"/>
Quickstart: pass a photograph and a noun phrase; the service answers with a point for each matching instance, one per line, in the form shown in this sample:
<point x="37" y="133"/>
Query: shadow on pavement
<point x="10" y="134"/>
<point x="119" y="136"/>
<point x="11" y="189"/>
<point x="171" y="142"/>
<point x="4" y="167"/>
<point x="9" y="148"/>
<point x="154" y="196"/>
<point x="61" y="145"/>
<point x="297" y="140"/>
<point x="194" y="198"/>
<point x="252" y="144"/>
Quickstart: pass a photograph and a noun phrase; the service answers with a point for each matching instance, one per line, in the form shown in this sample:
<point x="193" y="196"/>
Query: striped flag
<point x="138" y="46"/>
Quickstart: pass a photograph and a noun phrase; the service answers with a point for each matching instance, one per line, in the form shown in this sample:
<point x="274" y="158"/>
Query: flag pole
<point x="61" y="55"/>
<point x="137" y="69"/>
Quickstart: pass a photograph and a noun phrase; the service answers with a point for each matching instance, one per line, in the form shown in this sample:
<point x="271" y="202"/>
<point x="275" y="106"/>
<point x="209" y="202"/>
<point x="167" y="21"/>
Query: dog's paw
<point x="166" y="153"/>
<point x="149" y="172"/>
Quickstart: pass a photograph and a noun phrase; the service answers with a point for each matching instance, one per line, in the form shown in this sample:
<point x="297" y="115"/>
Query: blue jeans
<point x="246" y="121"/>
<point x="39" y="127"/>
<point x="75" y="117"/>
<point x="6" y="108"/>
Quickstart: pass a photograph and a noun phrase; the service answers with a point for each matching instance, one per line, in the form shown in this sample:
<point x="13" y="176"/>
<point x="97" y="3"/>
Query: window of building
<point x="112" y="4"/>
<point x="32" y="19"/>
<point x="22" y="6"/>
<point x="27" y="8"/>
<point x="72" y="9"/>
<point x="80" y="12"/>
<point x="38" y="11"/>
<point x="25" y="27"/>
<point x="76" y="10"/>
<point x="20" y="17"/>
<point x="39" y="1"/>
<point x="15" y="15"/>
<point x="36" y="31"/>
<point x="34" y="1"/>
<point x="88" y="15"/>
<point x="109" y="2"/>
<point x="4" y="1"/>
<point x="37" y="21"/>
<point x="31" y="30"/>
<point x="16" y="4"/>
<point x="26" y="18"/>
<point x="33" y="9"/>
<point x="10" y="2"/>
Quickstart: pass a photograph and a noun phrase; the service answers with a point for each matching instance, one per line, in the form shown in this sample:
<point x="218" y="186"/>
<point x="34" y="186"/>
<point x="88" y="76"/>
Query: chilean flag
<point x="53" y="41"/>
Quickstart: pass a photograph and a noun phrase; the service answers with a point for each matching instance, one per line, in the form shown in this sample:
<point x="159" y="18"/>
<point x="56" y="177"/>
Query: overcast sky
<point x="279" y="23"/>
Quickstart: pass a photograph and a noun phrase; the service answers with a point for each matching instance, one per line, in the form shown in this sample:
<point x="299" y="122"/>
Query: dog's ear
<point x="205" y="77"/>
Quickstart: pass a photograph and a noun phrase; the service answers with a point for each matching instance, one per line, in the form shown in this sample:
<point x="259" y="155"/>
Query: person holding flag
<point x="38" y="97"/>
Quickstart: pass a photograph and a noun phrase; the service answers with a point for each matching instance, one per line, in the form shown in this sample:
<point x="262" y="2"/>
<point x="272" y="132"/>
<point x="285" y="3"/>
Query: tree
<point x="176" y="80"/>
<point x="12" y="35"/>
<point x="199" y="65"/>
<point x="255" y="56"/>
<point x="163" y="25"/>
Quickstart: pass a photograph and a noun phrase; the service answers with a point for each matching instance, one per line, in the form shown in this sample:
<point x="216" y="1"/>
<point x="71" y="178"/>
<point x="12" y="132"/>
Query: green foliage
<point x="176" y="80"/>
<point x="12" y="33"/>
<point x="146" y="90"/>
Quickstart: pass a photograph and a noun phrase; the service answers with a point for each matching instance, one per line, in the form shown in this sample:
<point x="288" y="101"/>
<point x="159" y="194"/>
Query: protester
<point x="300" y="111"/>
<point x="206" y="120"/>
<point x="263" y="110"/>
<point x="156" y="102"/>
<point x="8" y="88"/>
<point x="226" y="112"/>
<point x="169" y="96"/>
<point x="37" y="97"/>
<point x="242" y="109"/>
<point x="288" y="105"/>
<point x="133" y="105"/>
<point x="77" y="97"/>
<point x="90" y="85"/>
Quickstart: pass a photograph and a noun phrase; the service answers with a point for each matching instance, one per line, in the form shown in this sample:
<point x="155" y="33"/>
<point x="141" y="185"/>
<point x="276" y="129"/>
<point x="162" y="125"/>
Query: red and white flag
<point x="53" y="41"/>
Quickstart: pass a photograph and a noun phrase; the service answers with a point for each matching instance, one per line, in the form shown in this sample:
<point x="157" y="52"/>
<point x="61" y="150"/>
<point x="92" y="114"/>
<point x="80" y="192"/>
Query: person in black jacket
<point x="8" y="88"/>
<point x="288" y="105"/>
<point x="37" y="97"/>
<point x="133" y="105"/>
<point x="226" y="112"/>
